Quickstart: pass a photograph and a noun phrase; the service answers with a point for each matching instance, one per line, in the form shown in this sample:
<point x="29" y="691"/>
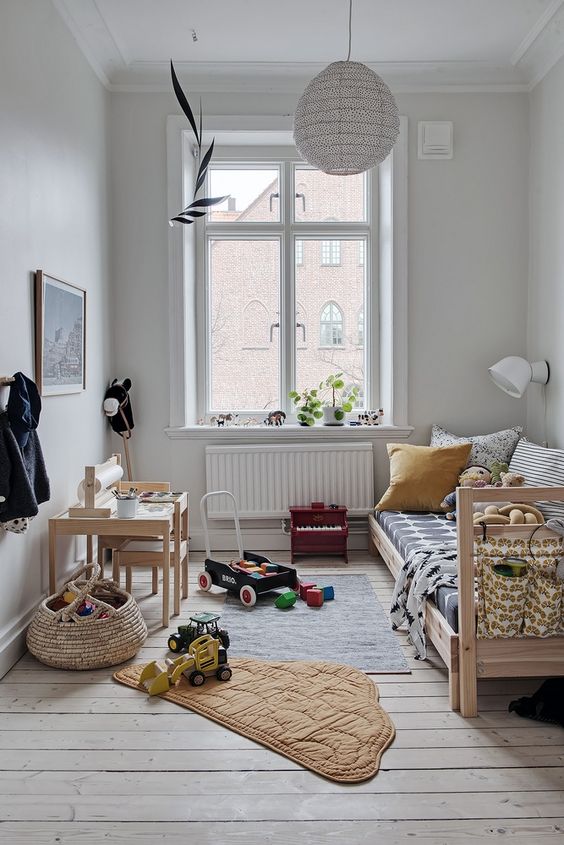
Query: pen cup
<point x="126" y="508"/>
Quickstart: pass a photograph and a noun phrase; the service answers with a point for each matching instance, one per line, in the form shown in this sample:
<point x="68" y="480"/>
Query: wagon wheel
<point x="248" y="596"/>
<point x="204" y="581"/>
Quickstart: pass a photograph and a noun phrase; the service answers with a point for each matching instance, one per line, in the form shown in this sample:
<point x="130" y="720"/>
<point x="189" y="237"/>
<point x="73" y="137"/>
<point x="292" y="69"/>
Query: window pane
<point x="320" y="197"/>
<point x="243" y="324"/>
<point x="331" y="305"/>
<point x="254" y="194"/>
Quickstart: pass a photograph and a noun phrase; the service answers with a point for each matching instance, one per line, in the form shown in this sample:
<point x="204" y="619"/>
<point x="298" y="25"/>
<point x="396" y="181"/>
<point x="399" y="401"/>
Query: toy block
<point x="255" y="574"/>
<point x="328" y="593"/>
<point x="314" y="597"/>
<point x="271" y="567"/>
<point x="304" y="587"/>
<point x="286" y="600"/>
<point x="252" y="569"/>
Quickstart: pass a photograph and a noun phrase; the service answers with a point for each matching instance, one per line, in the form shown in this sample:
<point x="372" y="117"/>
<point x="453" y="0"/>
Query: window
<point x="331" y="326"/>
<point x="378" y="217"/>
<point x="330" y="253"/>
<point x="361" y="253"/>
<point x="273" y="324"/>
<point x="360" y="328"/>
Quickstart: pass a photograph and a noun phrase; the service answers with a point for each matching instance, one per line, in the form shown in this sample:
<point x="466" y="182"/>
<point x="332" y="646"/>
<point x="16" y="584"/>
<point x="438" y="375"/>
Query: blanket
<point x="426" y="568"/>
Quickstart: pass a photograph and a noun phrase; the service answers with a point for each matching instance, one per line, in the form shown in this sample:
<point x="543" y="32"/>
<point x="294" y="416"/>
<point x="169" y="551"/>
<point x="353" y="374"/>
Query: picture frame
<point x="60" y="336"/>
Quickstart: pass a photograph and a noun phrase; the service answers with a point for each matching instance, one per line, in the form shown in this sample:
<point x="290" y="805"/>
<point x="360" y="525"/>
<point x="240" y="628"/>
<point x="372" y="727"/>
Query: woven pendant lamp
<point x="347" y="119"/>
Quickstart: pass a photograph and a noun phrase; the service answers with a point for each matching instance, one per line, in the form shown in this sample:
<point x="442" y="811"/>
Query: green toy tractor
<point x="200" y="624"/>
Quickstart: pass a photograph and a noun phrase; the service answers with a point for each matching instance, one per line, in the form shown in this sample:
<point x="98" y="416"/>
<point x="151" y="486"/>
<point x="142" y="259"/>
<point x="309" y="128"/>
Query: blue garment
<point x="24" y="408"/>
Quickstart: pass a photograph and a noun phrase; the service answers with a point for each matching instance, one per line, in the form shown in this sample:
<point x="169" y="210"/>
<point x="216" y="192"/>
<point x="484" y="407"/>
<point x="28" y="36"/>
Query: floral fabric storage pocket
<point x="543" y="609"/>
<point x="502" y="597"/>
<point x="518" y="592"/>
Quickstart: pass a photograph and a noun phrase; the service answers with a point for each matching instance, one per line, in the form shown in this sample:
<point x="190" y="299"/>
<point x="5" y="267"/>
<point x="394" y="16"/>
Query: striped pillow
<point x="542" y="468"/>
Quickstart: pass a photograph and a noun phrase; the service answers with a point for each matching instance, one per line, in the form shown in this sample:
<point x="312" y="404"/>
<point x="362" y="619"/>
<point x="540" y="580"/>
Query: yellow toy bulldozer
<point x="206" y="657"/>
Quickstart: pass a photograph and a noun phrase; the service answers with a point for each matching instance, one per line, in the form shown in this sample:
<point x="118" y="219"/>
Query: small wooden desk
<point x="147" y="523"/>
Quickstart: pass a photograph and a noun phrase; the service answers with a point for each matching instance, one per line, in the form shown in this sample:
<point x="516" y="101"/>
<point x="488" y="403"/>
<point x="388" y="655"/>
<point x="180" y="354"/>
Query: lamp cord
<point x="350" y="27"/>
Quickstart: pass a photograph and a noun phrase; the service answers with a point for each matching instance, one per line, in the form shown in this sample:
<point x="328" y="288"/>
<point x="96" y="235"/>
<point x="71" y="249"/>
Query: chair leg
<point x="115" y="567"/>
<point x="128" y="579"/>
<point x="155" y="587"/>
<point x="185" y="578"/>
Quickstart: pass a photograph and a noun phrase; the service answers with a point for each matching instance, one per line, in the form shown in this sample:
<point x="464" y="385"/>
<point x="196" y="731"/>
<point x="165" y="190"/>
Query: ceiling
<point x="269" y="45"/>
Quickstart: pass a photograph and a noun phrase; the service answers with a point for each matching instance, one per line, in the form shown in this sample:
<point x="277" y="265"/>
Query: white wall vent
<point x="434" y="139"/>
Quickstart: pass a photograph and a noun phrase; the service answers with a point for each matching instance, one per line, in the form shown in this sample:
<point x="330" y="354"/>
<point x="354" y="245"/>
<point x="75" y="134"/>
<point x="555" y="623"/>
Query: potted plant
<point x="338" y="399"/>
<point x="308" y="408"/>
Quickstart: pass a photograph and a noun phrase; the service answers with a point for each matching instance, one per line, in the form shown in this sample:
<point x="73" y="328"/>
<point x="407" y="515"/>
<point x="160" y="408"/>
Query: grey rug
<point x="353" y="628"/>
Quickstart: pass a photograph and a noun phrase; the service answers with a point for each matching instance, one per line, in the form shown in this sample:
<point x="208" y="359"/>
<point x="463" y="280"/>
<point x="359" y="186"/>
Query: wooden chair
<point x="122" y="487"/>
<point x="147" y="552"/>
<point x="115" y="542"/>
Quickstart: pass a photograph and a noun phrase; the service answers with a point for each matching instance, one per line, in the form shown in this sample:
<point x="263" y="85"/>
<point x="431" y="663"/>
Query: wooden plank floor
<point x="87" y="761"/>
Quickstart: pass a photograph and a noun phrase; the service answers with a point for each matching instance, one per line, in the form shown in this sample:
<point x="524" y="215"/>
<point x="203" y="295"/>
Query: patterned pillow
<point x="486" y="448"/>
<point x="542" y="468"/>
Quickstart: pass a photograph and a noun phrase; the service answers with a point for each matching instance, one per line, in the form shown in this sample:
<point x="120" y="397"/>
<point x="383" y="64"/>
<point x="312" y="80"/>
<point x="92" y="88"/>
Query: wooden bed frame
<point x="466" y="657"/>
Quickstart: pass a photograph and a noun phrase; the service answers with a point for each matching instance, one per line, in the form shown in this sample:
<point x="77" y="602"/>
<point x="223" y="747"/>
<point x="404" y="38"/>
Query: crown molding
<point x="92" y="34"/>
<point x="542" y="46"/>
<point x="292" y="77"/>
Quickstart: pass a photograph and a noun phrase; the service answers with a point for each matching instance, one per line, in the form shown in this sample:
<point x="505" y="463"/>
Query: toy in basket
<point x="248" y="576"/>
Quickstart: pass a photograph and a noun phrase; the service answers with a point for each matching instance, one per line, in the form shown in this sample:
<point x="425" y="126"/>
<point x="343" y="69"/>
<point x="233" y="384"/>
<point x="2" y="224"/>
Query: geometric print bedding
<point x="409" y="530"/>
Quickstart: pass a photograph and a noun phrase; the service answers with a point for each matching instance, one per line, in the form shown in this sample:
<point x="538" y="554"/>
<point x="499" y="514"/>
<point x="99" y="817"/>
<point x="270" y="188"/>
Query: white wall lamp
<point x="513" y="374"/>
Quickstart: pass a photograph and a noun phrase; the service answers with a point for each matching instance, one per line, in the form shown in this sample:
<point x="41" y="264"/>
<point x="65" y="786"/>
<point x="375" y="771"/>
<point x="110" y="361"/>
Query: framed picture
<point x="60" y="325"/>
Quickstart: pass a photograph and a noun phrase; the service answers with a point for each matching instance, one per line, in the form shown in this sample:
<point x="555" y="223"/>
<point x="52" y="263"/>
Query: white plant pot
<point x="331" y="414"/>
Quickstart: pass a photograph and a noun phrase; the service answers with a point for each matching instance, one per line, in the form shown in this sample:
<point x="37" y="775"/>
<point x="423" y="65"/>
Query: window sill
<point x="289" y="432"/>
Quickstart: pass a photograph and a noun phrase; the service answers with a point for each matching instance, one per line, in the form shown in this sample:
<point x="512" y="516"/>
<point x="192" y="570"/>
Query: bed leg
<point x="466" y="603"/>
<point x="372" y="550"/>
<point x="454" y="690"/>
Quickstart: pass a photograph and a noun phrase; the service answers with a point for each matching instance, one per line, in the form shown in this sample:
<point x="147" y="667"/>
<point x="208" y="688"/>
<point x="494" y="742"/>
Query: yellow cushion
<point x="421" y="476"/>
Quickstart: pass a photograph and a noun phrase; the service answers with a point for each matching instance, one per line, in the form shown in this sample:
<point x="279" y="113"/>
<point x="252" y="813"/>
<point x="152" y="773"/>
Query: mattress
<point x="409" y="530"/>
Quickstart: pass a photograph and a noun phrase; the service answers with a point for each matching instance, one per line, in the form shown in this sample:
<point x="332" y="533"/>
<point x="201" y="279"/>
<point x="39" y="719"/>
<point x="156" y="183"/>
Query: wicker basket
<point x="108" y="636"/>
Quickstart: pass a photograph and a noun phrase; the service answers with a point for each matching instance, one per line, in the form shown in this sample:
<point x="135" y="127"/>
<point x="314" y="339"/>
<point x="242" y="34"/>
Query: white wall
<point x="53" y="216"/>
<point x="468" y="262"/>
<point x="546" y="290"/>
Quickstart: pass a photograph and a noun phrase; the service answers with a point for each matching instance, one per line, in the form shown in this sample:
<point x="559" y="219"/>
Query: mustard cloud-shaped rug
<point x="324" y="716"/>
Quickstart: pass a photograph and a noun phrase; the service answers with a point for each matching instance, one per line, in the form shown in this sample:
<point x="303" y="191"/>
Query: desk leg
<point x="176" y="560"/>
<point x="52" y="557"/>
<point x="166" y="577"/>
<point x="89" y="553"/>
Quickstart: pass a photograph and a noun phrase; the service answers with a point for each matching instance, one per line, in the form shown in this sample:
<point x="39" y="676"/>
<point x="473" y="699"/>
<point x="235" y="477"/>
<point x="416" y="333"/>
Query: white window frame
<point x="183" y="277"/>
<point x="287" y="230"/>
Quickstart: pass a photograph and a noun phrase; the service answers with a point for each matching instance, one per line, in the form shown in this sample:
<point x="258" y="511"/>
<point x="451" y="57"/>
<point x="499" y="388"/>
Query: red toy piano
<point x="319" y="530"/>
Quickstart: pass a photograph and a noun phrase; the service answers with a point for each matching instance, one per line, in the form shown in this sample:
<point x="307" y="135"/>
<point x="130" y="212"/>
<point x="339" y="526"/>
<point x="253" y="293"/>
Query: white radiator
<point x="267" y="480"/>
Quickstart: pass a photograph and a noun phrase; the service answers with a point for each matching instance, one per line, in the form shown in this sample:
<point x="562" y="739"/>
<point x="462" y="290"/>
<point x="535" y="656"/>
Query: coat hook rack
<point x="6" y="380"/>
